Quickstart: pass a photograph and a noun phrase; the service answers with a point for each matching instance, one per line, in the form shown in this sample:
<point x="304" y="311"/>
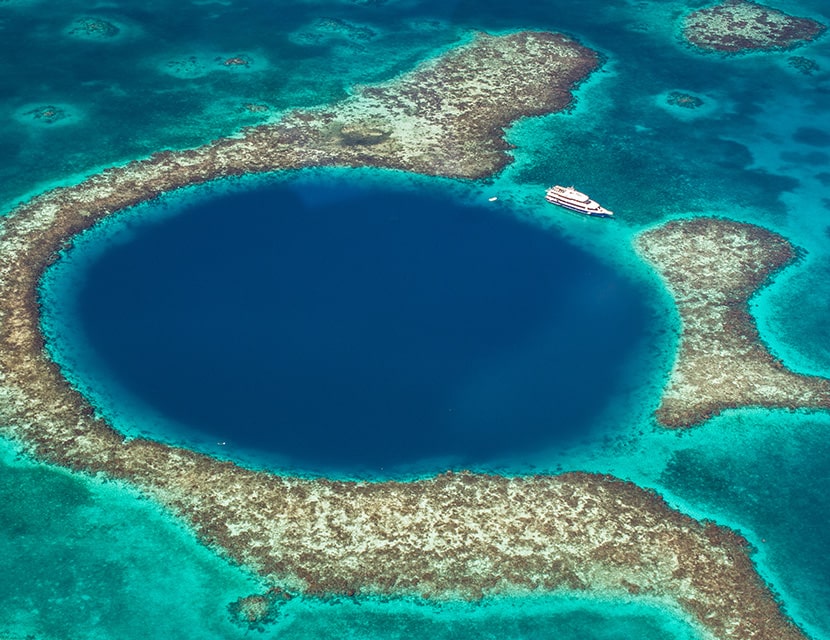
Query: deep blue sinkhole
<point x="364" y="329"/>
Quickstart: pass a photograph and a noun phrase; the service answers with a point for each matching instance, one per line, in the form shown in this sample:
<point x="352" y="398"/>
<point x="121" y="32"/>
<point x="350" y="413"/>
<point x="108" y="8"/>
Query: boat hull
<point x="577" y="209"/>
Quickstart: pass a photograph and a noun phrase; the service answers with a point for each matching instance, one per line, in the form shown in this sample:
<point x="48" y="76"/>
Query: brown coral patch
<point x="738" y="26"/>
<point x="257" y="610"/>
<point x="684" y="100"/>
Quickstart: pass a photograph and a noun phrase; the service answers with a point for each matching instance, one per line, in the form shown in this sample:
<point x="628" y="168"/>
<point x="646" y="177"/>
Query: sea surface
<point x="342" y="325"/>
<point x="194" y="319"/>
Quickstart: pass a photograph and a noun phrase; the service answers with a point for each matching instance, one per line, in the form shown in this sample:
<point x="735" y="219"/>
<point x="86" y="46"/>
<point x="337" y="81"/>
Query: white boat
<point x="574" y="200"/>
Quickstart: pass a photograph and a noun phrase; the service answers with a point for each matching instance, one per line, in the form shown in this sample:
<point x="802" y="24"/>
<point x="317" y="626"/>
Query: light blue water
<point x="755" y="151"/>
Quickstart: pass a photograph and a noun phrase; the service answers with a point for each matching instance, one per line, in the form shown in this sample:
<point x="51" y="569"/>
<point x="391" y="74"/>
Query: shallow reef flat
<point x="712" y="268"/>
<point x="738" y="26"/>
<point x="455" y="535"/>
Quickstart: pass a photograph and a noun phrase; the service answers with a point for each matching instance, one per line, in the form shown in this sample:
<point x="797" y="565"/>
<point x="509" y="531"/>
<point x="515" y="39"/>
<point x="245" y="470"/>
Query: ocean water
<point x="82" y="558"/>
<point x="91" y="560"/>
<point x="775" y="489"/>
<point x="86" y="95"/>
<point x="346" y="327"/>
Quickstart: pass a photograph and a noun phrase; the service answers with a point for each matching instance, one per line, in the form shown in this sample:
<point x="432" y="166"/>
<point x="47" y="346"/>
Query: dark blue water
<point x="354" y="328"/>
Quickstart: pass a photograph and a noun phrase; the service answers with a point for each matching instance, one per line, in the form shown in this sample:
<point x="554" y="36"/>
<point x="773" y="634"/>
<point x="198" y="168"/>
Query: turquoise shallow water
<point x="755" y="151"/>
<point x="775" y="488"/>
<point x="86" y="559"/>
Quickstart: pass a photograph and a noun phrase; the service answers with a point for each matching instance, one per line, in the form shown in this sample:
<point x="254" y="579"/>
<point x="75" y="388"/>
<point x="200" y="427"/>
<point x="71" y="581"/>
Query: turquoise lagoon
<point x="756" y="151"/>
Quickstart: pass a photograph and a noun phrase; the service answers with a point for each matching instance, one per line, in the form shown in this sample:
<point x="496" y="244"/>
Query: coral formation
<point x="712" y="267"/>
<point x="93" y="29"/>
<point x="685" y="100"/>
<point x="454" y="535"/>
<point x="257" y="610"/>
<point x="807" y="66"/>
<point x="738" y="26"/>
<point x="47" y="114"/>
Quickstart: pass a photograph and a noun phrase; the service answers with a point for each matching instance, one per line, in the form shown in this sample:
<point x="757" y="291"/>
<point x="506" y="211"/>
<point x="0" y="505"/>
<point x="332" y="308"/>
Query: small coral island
<point x="454" y="535"/>
<point x="740" y="26"/>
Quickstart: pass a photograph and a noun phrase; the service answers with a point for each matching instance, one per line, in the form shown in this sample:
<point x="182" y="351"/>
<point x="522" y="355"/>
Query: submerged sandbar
<point x="455" y="535"/>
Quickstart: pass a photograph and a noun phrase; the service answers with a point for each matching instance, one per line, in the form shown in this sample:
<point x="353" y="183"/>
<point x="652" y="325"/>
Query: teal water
<point x="775" y="488"/>
<point x="85" y="559"/>
<point x="755" y="151"/>
<point x="542" y="618"/>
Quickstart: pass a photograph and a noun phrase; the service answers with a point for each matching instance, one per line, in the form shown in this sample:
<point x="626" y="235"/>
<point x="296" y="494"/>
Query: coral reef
<point x="257" y="610"/>
<point x="807" y="66"/>
<point x="327" y="30"/>
<point x="712" y="267"/>
<point x="47" y="114"/>
<point x="738" y="26"/>
<point x="235" y="61"/>
<point x="455" y="535"/>
<point x="684" y="100"/>
<point x="93" y="29"/>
